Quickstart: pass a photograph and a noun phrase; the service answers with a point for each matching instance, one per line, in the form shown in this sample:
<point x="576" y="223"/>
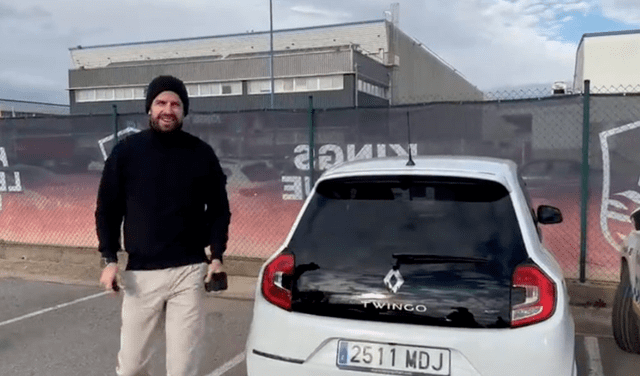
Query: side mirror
<point x="548" y="215"/>
<point x="635" y="219"/>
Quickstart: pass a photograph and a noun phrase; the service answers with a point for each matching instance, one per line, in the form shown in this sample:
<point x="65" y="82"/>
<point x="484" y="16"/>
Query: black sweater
<point x="170" y="191"/>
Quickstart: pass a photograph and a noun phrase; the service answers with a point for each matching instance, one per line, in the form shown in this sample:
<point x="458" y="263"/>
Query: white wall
<point x="610" y="62"/>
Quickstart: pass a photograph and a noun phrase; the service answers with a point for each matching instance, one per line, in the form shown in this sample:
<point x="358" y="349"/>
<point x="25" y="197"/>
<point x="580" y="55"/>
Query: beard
<point x="156" y="126"/>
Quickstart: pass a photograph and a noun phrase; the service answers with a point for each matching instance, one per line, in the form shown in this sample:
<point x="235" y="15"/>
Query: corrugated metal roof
<point x="370" y="36"/>
<point x="296" y="63"/>
<point x="230" y="35"/>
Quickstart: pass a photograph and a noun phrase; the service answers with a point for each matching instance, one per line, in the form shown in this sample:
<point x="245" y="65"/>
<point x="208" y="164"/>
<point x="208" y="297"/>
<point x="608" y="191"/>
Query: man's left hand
<point x="214" y="267"/>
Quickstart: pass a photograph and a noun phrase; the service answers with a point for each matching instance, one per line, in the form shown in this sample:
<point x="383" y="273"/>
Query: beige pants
<point x="150" y="296"/>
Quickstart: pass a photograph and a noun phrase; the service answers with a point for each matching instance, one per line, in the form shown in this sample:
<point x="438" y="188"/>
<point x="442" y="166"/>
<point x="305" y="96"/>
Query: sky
<point x="495" y="44"/>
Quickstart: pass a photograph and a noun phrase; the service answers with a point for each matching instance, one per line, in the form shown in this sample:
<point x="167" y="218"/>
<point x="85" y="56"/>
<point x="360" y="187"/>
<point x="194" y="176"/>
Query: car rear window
<point x="454" y="243"/>
<point x="355" y="221"/>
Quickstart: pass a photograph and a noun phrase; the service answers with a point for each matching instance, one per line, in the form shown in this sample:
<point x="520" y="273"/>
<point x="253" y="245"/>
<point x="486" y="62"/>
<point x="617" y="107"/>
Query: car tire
<point x="626" y="331"/>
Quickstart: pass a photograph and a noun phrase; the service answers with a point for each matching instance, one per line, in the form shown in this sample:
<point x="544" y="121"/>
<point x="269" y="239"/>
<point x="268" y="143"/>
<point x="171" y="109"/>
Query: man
<point x="169" y="189"/>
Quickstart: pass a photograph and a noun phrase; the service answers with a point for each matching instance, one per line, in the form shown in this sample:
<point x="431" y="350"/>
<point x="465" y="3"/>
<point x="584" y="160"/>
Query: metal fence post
<point x="115" y="122"/>
<point x="311" y="142"/>
<point x="584" y="191"/>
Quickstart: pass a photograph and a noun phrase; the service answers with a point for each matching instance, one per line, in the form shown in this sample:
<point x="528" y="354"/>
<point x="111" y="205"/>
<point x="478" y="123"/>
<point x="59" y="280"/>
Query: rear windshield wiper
<point x="411" y="258"/>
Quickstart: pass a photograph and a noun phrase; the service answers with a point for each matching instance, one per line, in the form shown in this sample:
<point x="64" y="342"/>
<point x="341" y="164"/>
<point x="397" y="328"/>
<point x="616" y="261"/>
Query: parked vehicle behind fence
<point x="626" y="304"/>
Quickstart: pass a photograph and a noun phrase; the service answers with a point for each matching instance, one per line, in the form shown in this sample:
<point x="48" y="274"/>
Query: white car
<point x="425" y="266"/>
<point x="626" y="304"/>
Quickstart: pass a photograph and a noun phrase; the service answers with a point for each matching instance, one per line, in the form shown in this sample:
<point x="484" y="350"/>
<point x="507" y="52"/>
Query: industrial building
<point x="609" y="61"/>
<point x="362" y="64"/>
<point x="11" y="108"/>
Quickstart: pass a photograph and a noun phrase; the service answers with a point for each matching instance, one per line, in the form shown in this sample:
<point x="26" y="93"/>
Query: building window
<point x="287" y="85"/>
<point x="110" y="94"/>
<point x="260" y="87"/>
<point x="139" y="93"/>
<point x="124" y="94"/>
<point x="300" y="84"/>
<point x="212" y="89"/>
<point x="204" y="90"/>
<point x="133" y="93"/>
<point x="104" y="94"/>
<point x="373" y="89"/>
<point x="85" y="95"/>
<point x="297" y="84"/>
<point x="330" y="82"/>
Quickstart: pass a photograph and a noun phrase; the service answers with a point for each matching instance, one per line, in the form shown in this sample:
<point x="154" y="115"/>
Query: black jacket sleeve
<point x="217" y="212"/>
<point x="110" y="206"/>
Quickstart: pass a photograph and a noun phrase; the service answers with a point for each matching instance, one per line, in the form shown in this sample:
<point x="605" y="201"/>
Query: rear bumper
<point x="286" y="343"/>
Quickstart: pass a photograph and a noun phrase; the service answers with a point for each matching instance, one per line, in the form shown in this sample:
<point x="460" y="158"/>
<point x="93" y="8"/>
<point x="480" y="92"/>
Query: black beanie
<point x="167" y="83"/>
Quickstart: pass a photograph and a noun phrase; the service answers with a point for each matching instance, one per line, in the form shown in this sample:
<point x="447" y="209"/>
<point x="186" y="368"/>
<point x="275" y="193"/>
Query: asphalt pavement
<point x="71" y="329"/>
<point x="39" y="282"/>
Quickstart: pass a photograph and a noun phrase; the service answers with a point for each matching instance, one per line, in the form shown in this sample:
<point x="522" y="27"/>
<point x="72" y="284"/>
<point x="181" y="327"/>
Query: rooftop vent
<point x="559" y="88"/>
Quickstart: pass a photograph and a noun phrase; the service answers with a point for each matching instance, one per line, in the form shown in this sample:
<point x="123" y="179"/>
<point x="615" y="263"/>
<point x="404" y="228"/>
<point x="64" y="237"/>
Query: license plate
<point x="398" y="359"/>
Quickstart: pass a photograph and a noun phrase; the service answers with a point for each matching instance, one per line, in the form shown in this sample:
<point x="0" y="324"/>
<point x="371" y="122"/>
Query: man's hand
<point x="214" y="267"/>
<point x="108" y="277"/>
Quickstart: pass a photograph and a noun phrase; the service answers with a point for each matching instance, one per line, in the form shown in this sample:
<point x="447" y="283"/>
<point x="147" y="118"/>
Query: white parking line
<point x="218" y="372"/>
<point x="593" y="352"/>
<point x="53" y="308"/>
<point x="228" y="365"/>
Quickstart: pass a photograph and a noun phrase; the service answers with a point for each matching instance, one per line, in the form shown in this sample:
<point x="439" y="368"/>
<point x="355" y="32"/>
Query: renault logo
<point x="393" y="280"/>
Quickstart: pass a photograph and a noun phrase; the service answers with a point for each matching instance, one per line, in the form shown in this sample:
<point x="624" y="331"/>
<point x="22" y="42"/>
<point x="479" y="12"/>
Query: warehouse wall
<point x="421" y="77"/>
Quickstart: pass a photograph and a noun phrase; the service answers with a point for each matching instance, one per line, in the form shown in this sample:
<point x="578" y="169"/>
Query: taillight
<point x="274" y="287"/>
<point x="540" y="296"/>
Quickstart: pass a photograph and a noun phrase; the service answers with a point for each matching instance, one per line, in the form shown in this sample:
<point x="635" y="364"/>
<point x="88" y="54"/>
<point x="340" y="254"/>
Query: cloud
<point x="627" y="11"/>
<point x="309" y="10"/>
<point x="8" y="12"/>
<point x="16" y="77"/>
<point x="496" y="43"/>
<point x="31" y="87"/>
<point x="492" y="42"/>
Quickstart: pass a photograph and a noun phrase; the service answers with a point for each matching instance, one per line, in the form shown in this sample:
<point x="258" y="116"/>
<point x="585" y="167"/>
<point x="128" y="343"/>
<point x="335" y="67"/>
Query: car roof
<point x="500" y="170"/>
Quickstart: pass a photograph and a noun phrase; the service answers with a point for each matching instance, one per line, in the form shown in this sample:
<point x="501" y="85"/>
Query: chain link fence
<point x="614" y="121"/>
<point x="50" y="166"/>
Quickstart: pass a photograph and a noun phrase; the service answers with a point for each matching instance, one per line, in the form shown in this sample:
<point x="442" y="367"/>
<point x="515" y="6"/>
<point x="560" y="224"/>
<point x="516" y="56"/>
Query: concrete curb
<point x="81" y="265"/>
<point x="591" y="293"/>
